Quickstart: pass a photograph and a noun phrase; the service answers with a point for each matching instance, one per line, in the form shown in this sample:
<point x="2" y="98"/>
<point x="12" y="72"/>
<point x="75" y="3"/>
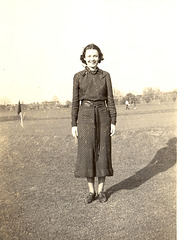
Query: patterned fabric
<point x="94" y="87"/>
<point x="87" y="165"/>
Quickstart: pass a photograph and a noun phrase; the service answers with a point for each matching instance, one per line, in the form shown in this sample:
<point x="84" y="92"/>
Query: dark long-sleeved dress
<point x="93" y="111"/>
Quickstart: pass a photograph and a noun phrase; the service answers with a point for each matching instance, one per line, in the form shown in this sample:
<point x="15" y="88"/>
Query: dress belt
<point x="96" y="105"/>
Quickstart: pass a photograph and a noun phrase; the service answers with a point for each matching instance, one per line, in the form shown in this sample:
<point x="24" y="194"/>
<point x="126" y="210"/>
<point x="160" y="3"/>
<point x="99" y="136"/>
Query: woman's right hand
<point x="75" y="131"/>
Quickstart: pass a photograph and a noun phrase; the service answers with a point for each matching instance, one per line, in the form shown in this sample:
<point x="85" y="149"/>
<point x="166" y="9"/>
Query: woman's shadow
<point x="164" y="159"/>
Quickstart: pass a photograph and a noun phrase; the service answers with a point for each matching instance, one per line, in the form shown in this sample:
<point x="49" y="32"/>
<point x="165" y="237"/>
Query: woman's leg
<point x="91" y="184"/>
<point x="101" y="195"/>
<point x="91" y="196"/>
<point x="101" y="182"/>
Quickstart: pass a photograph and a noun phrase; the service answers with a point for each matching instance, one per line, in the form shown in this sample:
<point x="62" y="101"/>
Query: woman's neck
<point x="92" y="69"/>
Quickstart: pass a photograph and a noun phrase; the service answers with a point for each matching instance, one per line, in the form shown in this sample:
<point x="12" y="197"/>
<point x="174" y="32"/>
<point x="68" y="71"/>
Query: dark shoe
<point x="90" y="198"/>
<point x="102" y="197"/>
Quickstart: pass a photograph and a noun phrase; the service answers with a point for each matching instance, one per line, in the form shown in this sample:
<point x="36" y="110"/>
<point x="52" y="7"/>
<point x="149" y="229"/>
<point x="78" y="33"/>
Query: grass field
<point x="41" y="200"/>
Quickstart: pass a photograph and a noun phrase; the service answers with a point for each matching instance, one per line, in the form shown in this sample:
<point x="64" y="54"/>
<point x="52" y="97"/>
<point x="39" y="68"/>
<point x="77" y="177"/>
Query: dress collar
<point x="86" y="71"/>
<point x="92" y="72"/>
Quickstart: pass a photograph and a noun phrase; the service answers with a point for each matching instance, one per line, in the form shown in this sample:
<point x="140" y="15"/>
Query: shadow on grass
<point x="164" y="159"/>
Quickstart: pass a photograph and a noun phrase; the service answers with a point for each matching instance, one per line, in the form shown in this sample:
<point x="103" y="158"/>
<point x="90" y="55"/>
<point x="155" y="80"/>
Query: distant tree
<point x="117" y="93"/>
<point x="5" y="101"/>
<point x="68" y="103"/>
<point x="118" y="96"/>
<point x="157" y="94"/>
<point x="174" y="95"/>
<point x="131" y="98"/>
<point x="147" y="94"/>
<point x="138" y="98"/>
<point x="55" y="99"/>
<point x="150" y="94"/>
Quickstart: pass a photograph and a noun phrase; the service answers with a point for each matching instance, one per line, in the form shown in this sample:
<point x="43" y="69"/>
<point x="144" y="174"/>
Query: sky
<point x="41" y="42"/>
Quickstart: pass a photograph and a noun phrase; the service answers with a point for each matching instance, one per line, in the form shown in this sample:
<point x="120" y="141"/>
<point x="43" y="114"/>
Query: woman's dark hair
<point x="91" y="46"/>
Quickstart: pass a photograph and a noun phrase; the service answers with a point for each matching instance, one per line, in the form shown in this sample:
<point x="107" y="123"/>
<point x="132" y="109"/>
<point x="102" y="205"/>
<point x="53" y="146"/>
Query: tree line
<point x="149" y="95"/>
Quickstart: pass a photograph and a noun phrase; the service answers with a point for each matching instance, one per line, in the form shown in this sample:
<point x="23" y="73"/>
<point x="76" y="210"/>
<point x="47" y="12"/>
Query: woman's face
<point x="91" y="58"/>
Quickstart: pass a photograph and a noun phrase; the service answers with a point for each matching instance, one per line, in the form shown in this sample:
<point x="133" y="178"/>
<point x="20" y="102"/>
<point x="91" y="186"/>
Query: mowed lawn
<point x="41" y="200"/>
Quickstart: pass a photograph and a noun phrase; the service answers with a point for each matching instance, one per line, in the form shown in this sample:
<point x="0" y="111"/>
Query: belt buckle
<point x="88" y="104"/>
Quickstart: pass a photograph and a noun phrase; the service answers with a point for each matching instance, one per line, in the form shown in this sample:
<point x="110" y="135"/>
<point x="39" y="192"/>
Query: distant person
<point x="93" y="122"/>
<point x="127" y="104"/>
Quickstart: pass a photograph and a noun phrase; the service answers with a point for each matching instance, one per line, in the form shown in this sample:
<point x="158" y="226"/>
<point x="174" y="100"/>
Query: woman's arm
<point x="75" y="101"/>
<point x="110" y="100"/>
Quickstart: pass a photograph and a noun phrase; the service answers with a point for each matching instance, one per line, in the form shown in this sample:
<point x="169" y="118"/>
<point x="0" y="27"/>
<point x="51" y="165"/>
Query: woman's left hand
<point x="113" y="128"/>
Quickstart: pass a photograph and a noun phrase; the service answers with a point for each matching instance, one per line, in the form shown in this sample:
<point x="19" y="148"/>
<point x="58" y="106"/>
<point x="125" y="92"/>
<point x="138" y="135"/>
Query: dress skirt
<point x="92" y="160"/>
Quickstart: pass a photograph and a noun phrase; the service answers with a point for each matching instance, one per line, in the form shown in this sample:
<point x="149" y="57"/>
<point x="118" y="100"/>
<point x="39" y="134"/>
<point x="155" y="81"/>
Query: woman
<point x="93" y="122"/>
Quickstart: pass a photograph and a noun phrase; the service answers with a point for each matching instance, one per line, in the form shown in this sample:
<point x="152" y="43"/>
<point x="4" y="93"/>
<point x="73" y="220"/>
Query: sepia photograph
<point x="88" y="120"/>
